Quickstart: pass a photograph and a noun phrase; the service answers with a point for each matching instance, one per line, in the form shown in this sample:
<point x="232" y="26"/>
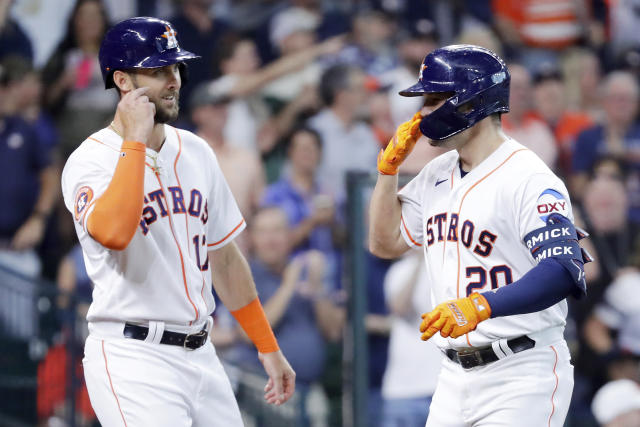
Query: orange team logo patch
<point x="170" y="35"/>
<point x="83" y="199"/>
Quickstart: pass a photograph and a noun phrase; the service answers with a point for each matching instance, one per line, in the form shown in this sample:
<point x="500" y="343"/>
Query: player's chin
<point x="167" y="114"/>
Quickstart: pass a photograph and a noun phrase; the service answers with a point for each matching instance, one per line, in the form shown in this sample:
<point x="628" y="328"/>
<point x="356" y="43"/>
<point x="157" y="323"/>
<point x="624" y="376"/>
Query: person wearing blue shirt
<point x="297" y="304"/>
<point x="310" y="210"/>
<point x="618" y="136"/>
<point x="28" y="191"/>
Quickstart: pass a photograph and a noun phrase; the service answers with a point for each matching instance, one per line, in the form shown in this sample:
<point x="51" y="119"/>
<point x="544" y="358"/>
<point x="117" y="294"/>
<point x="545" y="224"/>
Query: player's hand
<point x="282" y="378"/>
<point x="137" y="115"/>
<point x="29" y="234"/>
<point x="400" y="146"/>
<point x="456" y="317"/>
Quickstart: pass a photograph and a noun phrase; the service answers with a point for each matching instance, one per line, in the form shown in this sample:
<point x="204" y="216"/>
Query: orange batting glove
<point x="400" y="146"/>
<point x="456" y="317"/>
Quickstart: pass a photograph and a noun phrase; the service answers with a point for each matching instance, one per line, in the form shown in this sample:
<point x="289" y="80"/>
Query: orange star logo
<point x="170" y="35"/>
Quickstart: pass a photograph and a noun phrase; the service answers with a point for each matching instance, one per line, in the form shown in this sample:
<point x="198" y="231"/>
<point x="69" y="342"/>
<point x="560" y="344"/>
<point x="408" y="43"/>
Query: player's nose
<point x="173" y="81"/>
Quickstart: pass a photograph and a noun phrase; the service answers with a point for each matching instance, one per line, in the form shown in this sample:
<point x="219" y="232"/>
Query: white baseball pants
<point x="134" y="383"/>
<point x="527" y="389"/>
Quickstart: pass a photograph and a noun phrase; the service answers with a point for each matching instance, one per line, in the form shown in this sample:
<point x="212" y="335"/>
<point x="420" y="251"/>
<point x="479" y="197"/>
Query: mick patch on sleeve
<point x="82" y="202"/>
<point x="551" y="201"/>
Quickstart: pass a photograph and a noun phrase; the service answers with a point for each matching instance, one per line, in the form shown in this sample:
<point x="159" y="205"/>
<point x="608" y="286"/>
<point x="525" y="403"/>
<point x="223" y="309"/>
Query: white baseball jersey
<point x="163" y="274"/>
<point x="472" y="231"/>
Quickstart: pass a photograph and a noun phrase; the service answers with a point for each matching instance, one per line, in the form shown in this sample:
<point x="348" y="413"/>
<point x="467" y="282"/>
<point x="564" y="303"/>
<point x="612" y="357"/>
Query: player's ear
<point x="123" y="81"/>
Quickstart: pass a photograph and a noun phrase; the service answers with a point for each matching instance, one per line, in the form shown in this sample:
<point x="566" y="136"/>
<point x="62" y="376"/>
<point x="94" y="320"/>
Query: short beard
<point x="166" y="115"/>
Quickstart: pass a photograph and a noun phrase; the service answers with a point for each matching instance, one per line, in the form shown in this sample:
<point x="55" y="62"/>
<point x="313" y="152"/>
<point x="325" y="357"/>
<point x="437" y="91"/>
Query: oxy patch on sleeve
<point x="551" y="201"/>
<point x="84" y="195"/>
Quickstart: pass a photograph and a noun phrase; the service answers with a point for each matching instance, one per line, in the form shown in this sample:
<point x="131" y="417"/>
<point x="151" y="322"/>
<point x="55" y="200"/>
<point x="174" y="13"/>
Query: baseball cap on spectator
<point x="614" y="399"/>
<point x="209" y="93"/>
<point x="547" y="71"/>
<point x="290" y="21"/>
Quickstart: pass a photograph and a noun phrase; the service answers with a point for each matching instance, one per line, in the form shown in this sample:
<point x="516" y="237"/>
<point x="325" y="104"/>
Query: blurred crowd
<point x="291" y="95"/>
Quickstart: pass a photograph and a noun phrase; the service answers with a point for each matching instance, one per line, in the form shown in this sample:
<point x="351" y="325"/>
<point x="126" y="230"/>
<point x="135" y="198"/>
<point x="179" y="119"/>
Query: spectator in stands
<point x="412" y="367"/>
<point x="23" y="99"/>
<point x="521" y="124"/>
<point x="28" y="189"/>
<point x="310" y="209"/>
<point x="23" y="96"/>
<point x="297" y="300"/>
<point x="618" y="135"/>
<point x="481" y="35"/>
<point x="617" y="404"/>
<point x="582" y="71"/>
<point x="241" y="167"/>
<point x="550" y="102"/>
<point x="535" y="31"/>
<point x="198" y="31"/>
<point x="332" y="19"/>
<point x="623" y="27"/>
<point x="293" y="31"/>
<point x="243" y="78"/>
<point x="349" y="143"/>
<point x="74" y="91"/>
<point x="613" y="328"/>
<point x="13" y="39"/>
<point x="371" y="48"/>
<point x="604" y="215"/>
<point x="612" y="232"/>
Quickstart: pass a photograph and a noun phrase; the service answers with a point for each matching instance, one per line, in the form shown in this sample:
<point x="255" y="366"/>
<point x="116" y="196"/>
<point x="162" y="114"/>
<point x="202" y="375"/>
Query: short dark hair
<point x="16" y="68"/>
<point x="334" y="80"/>
<point x="225" y="49"/>
<point x="304" y="129"/>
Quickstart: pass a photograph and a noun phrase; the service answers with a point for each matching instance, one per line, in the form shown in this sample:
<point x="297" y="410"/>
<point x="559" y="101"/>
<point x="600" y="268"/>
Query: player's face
<point x="164" y="90"/>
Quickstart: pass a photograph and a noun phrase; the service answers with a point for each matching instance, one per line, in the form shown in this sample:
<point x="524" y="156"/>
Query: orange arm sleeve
<point x="117" y="212"/>
<point x="255" y="324"/>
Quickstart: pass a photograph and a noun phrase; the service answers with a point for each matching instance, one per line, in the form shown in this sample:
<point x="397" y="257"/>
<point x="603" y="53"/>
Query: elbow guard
<point x="558" y="239"/>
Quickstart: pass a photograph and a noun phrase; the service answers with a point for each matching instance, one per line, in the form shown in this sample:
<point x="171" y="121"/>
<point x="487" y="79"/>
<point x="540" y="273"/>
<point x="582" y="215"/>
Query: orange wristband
<point x="255" y="324"/>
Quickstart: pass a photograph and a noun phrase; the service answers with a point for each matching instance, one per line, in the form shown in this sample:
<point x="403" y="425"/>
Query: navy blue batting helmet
<point x="478" y="80"/>
<point x="140" y="42"/>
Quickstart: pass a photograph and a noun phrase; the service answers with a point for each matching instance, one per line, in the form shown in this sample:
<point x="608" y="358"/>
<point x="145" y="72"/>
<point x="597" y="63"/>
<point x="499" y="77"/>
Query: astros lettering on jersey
<point x="188" y="211"/>
<point x="472" y="231"/>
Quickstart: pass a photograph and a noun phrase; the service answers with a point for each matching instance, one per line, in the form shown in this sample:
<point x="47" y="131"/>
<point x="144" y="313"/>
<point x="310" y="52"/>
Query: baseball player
<point x="502" y="253"/>
<point x="156" y="219"/>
